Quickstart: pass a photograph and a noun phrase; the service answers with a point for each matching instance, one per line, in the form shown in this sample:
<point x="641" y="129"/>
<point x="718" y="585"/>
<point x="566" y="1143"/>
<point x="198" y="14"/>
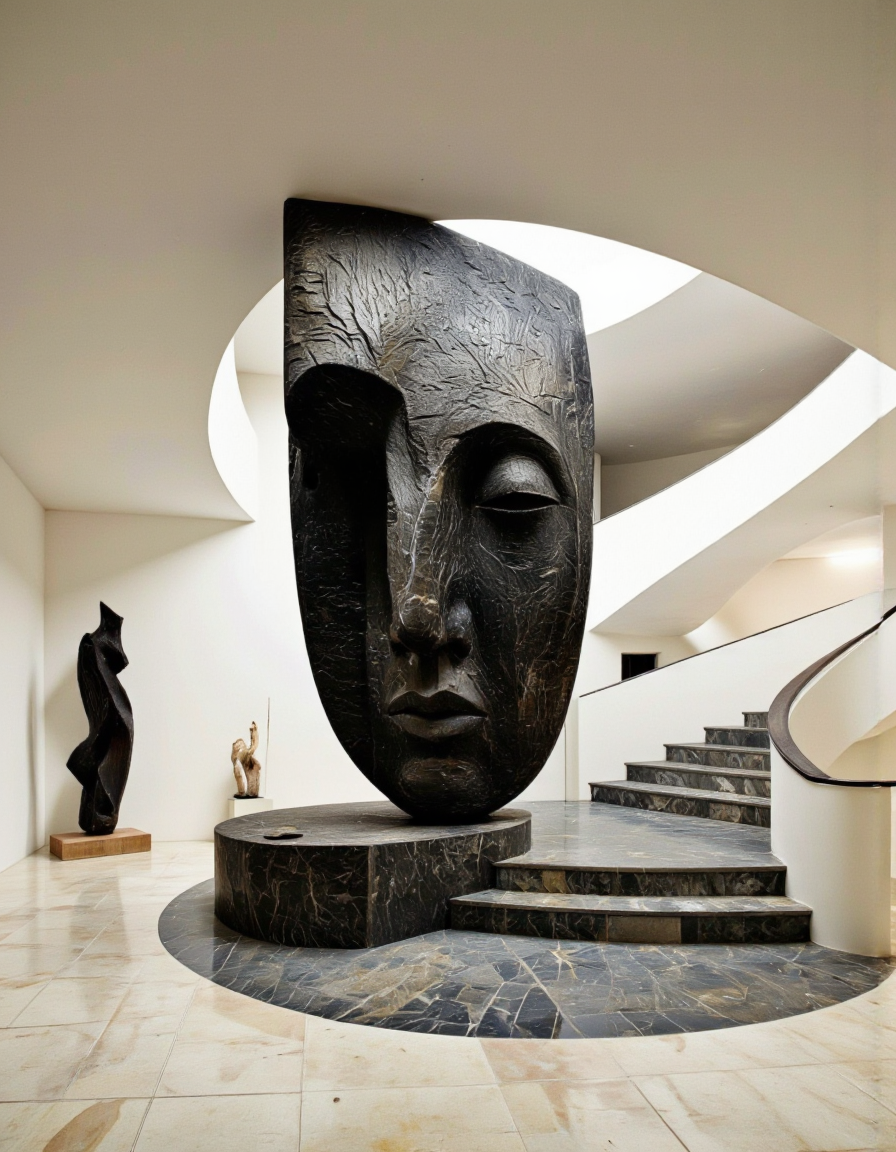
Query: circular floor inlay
<point x="478" y="984"/>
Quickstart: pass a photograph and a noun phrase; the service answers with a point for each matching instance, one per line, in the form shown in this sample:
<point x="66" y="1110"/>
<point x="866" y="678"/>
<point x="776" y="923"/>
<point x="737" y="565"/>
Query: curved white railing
<point x="835" y="836"/>
<point x="665" y="565"/>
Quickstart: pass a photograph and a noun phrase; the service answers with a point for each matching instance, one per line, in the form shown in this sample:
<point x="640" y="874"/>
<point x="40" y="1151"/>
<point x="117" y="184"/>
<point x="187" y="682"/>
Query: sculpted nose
<point x="428" y="616"/>
<point x="419" y="623"/>
<point x="421" y="626"/>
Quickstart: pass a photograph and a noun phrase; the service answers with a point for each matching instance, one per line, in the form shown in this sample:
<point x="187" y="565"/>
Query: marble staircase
<point x="724" y="778"/>
<point x="678" y="853"/>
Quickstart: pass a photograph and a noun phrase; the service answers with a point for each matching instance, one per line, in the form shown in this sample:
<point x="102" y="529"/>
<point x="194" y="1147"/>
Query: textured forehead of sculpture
<point x="433" y="313"/>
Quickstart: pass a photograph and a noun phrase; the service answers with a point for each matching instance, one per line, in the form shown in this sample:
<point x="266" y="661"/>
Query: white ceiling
<point x="708" y="366"/>
<point x="147" y="150"/>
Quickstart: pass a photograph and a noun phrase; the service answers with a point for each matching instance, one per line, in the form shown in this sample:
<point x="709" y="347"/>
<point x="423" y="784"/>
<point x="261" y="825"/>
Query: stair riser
<point x="684" y="806"/>
<point x="755" y="719"/>
<point x="752" y="761"/>
<point x="743" y="737"/>
<point x="587" y="883"/>
<point x="627" y="929"/>
<point x="708" y="780"/>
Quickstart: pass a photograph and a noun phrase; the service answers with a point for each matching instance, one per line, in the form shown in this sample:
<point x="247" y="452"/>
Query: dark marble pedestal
<point x="360" y="875"/>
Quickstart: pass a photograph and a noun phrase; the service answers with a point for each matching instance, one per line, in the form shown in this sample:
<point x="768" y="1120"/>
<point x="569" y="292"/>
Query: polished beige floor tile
<point x="39" y="1063"/>
<point x="162" y="966"/>
<point x="134" y="942"/>
<point x="728" y="1049"/>
<point x="72" y="934"/>
<point x="466" y="1119"/>
<point x="10" y="923"/>
<point x="127" y="1060"/>
<point x="79" y="1126"/>
<point x="222" y="1124"/>
<point x="16" y="995"/>
<point x="231" y="1044"/>
<point x="352" y="1056"/>
<point x="772" y="1109"/>
<point x="75" y="1001"/>
<point x="578" y="1116"/>
<point x="217" y="1014"/>
<point x="846" y="1032"/>
<point x="876" y="1077"/>
<point x="164" y="1003"/>
<point x="232" y="1067"/>
<point x="513" y="1060"/>
<point x="90" y="966"/>
<point x="37" y="962"/>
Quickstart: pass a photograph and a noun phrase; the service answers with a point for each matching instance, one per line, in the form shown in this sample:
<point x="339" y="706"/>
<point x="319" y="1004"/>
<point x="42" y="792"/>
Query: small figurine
<point x="246" y="769"/>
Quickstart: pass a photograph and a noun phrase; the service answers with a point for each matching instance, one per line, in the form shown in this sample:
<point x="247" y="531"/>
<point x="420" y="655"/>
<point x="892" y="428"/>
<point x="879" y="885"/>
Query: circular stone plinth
<point x="353" y="875"/>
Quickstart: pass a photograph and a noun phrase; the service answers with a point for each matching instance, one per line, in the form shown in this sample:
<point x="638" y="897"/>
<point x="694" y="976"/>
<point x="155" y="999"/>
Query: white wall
<point x="785" y="591"/>
<point x="212" y="629"/>
<point x="21" y="669"/>
<point x="625" y="484"/>
<point x="873" y="758"/>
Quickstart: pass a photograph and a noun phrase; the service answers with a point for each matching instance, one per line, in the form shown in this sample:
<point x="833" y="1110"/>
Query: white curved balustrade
<point x="665" y="565"/>
<point x="836" y="840"/>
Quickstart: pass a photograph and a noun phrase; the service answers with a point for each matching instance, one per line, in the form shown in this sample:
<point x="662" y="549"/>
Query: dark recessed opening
<point x="634" y="663"/>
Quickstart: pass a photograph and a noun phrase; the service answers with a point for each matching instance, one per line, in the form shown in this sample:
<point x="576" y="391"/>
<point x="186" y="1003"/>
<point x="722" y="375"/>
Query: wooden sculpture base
<point x="79" y="846"/>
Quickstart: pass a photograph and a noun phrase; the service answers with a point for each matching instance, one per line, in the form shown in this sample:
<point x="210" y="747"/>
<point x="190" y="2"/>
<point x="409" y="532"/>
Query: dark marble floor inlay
<point x="465" y="983"/>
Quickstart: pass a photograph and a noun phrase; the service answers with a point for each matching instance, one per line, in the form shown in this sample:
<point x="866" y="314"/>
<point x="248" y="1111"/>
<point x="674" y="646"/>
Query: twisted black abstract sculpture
<point x="441" y="448"/>
<point x="101" y="763"/>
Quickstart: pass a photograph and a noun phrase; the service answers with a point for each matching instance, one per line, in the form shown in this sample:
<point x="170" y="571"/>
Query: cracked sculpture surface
<point x="441" y="446"/>
<point x="101" y="763"/>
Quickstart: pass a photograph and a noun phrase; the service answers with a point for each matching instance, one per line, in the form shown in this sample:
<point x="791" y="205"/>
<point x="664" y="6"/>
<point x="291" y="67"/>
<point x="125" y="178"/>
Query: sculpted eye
<point x="517" y="484"/>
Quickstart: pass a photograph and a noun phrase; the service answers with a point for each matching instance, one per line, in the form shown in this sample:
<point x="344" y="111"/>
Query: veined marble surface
<point x="480" y="984"/>
<point x="467" y="983"/>
<point x="602" y="836"/>
<point x="107" y="1043"/>
<point x="356" y="875"/>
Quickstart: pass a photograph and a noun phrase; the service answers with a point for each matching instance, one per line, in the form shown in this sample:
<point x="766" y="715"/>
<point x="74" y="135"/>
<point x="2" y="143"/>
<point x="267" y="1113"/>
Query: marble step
<point x="755" y="719"/>
<point x="701" y="776"/>
<point x="726" y="806"/>
<point x="740" y="736"/>
<point x="632" y="919"/>
<point x="720" y="756"/>
<point x="549" y="875"/>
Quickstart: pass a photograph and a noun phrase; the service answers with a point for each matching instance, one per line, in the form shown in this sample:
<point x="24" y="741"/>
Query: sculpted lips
<point x="436" y="716"/>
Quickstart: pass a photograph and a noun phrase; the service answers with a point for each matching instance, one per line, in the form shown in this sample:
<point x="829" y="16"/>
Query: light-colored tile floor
<point x="108" y="1044"/>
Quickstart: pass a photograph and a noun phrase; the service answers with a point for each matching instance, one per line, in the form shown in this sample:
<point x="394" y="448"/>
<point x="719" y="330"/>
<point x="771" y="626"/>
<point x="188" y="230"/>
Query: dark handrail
<point x="779" y="719"/>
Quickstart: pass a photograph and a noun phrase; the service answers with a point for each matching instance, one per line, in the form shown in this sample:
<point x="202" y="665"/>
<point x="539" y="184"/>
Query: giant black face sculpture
<point x="441" y="441"/>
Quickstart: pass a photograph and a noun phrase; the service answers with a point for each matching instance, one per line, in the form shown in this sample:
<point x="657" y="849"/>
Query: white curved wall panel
<point x="667" y="564"/>
<point x="232" y="438"/>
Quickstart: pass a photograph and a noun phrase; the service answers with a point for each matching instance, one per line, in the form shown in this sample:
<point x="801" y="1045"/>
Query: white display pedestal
<point x="242" y="807"/>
